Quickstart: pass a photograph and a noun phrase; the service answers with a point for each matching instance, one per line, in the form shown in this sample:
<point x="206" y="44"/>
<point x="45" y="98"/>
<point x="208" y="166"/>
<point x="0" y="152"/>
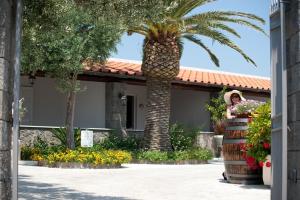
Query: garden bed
<point x="180" y="162"/>
<point x="78" y="165"/>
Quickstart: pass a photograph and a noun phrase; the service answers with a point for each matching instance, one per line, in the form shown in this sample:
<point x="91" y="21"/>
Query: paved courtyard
<point x="134" y="182"/>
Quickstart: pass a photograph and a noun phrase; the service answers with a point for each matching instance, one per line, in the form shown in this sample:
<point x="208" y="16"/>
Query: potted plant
<point x="245" y="108"/>
<point x="217" y="109"/>
<point x="257" y="149"/>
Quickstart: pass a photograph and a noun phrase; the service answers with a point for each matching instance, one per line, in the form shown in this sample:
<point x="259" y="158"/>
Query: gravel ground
<point x="135" y="182"/>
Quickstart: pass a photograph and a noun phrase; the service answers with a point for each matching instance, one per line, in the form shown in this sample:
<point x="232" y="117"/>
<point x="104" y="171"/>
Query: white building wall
<point x="90" y="105"/>
<point x="46" y="106"/>
<point x="188" y="107"/>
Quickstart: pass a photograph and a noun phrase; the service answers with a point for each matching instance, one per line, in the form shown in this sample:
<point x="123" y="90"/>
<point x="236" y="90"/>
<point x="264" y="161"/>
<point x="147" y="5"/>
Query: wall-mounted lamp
<point x="123" y="99"/>
<point x="31" y="79"/>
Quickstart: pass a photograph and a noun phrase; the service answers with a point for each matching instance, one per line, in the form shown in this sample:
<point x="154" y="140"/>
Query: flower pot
<point x="217" y="145"/>
<point x="267" y="171"/>
<point x="243" y="115"/>
<point x="236" y="168"/>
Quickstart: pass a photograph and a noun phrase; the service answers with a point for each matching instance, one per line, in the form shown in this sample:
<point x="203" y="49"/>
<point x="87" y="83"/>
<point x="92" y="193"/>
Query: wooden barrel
<point x="236" y="168"/>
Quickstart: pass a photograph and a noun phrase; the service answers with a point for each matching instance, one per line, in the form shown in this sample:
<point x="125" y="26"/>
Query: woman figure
<point x="232" y="98"/>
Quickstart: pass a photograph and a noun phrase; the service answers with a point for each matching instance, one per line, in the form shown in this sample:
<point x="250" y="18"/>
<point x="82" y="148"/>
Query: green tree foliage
<point x="59" y="35"/>
<point x="217" y="107"/>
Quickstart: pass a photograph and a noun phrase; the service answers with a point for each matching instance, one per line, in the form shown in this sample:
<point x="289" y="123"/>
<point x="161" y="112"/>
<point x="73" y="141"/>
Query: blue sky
<point x="253" y="43"/>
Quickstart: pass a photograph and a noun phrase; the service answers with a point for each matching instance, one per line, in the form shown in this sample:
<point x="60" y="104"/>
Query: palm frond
<point x="213" y="15"/>
<point x="143" y="30"/>
<point x="222" y="39"/>
<point x="225" y="28"/>
<point x="203" y="20"/>
<point x="186" y="6"/>
<point x="201" y="44"/>
<point x="228" y="16"/>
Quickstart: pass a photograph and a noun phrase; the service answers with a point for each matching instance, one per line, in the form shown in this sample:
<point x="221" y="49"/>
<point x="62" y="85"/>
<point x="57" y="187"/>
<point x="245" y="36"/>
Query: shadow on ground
<point x="259" y="187"/>
<point x="40" y="191"/>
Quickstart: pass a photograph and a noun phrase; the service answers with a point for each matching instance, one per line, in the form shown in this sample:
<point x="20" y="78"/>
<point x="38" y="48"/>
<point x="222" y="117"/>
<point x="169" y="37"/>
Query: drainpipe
<point x="17" y="54"/>
<point x="284" y="99"/>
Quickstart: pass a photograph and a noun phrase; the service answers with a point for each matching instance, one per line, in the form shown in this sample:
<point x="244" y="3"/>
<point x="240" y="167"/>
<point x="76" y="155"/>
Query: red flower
<point x="250" y="160"/>
<point x="266" y="145"/>
<point x="261" y="163"/>
<point x="268" y="164"/>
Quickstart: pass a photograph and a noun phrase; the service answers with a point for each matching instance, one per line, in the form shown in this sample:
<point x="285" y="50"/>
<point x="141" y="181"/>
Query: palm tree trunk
<point x="156" y="135"/>
<point x="70" y="115"/>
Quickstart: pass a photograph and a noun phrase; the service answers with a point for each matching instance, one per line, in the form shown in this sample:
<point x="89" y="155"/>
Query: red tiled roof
<point x="187" y="75"/>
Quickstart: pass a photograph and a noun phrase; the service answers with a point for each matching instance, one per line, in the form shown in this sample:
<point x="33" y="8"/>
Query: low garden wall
<point x="29" y="134"/>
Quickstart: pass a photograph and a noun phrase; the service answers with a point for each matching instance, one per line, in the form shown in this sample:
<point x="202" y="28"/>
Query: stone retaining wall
<point x="29" y="135"/>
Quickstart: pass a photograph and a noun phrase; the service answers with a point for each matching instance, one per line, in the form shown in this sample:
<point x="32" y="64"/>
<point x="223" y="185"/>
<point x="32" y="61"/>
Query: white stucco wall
<point x="46" y="106"/>
<point x="188" y="107"/>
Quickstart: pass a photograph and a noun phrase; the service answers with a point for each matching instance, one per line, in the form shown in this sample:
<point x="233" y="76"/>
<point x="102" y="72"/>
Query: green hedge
<point x="158" y="156"/>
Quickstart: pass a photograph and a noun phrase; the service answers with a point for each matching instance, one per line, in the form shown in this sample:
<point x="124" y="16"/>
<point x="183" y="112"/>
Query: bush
<point x="259" y="136"/>
<point x="217" y="107"/>
<point x="183" y="138"/>
<point x="27" y="152"/>
<point x="158" y="156"/>
<point x="95" y="155"/>
<point x="113" y="141"/>
<point x="61" y="135"/>
<point x="152" y="156"/>
<point x="105" y="157"/>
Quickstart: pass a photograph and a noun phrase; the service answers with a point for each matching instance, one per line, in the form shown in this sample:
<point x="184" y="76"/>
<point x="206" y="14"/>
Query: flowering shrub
<point x="257" y="145"/>
<point x="27" y="153"/>
<point x="105" y="157"/>
<point x="245" y="107"/>
<point x="93" y="156"/>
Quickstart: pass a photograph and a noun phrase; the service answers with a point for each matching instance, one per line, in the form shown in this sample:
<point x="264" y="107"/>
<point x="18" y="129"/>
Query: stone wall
<point x="293" y="91"/>
<point x="29" y="135"/>
<point x="115" y="110"/>
<point x="7" y="32"/>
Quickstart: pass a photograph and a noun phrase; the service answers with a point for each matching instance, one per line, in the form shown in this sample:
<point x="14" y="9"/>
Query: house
<point x="114" y="95"/>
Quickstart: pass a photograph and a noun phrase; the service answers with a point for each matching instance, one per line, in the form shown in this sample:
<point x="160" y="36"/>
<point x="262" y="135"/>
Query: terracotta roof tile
<point x="187" y="75"/>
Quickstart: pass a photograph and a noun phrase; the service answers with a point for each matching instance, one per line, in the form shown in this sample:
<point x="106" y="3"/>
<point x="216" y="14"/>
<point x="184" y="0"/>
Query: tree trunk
<point x="160" y="66"/>
<point x="70" y="115"/>
<point x="156" y="134"/>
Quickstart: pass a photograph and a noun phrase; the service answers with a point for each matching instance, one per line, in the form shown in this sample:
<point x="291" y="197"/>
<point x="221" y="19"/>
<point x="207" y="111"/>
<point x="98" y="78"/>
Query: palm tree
<point x="162" y="51"/>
